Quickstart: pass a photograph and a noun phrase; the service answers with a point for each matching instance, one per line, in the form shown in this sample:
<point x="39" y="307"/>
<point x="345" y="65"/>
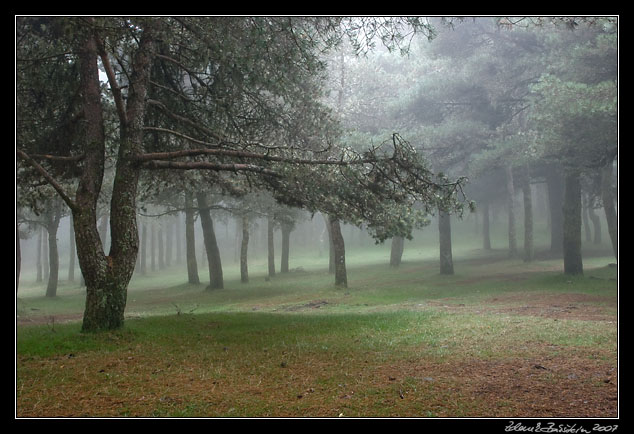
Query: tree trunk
<point x="38" y="259"/>
<point x="555" y="184"/>
<point x="211" y="245"/>
<point x="596" y="225"/>
<point x="585" y="207"/>
<point x="190" y="240"/>
<point x="341" y="277"/>
<point x="608" y="206"/>
<point x="71" y="253"/>
<point x="244" y="245"/>
<point x="107" y="277"/>
<point x="53" y="253"/>
<point x="286" y="236"/>
<point x="331" y="246"/>
<point x="270" y="245"/>
<point x="143" y="251"/>
<point x="528" y="218"/>
<point x="486" y="227"/>
<point x="161" y="248"/>
<point x="153" y="246"/>
<point x="444" y="229"/>
<point x="510" y="191"/>
<point x="396" y="252"/>
<point x="572" y="223"/>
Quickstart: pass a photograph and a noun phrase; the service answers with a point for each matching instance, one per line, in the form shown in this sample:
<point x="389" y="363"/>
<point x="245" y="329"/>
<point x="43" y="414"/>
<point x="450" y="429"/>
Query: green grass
<point x="396" y="342"/>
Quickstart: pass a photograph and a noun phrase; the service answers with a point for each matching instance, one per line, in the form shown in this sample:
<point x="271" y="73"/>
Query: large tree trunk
<point x="341" y="276"/>
<point x="244" y="245"/>
<point x="555" y="184"/>
<point x="211" y="245"/>
<point x="444" y="230"/>
<point x="596" y="225"/>
<point x="608" y="206"/>
<point x="396" y="251"/>
<point x="107" y="277"/>
<point x="190" y="240"/>
<point x="572" y="223"/>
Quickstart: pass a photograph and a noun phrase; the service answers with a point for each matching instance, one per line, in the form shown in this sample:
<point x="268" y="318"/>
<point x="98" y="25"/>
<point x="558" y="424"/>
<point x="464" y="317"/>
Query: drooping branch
<point x="193" y="165"/>
<point x="58" y="188"/>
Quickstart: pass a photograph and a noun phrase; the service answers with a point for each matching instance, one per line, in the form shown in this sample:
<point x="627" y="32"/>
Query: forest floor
<point x="500" y="339"/>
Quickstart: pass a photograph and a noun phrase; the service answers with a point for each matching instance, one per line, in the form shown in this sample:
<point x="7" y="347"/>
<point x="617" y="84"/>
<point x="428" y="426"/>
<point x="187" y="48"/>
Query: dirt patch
<point x="550" y="387"/>
<point x="560" y="306"/>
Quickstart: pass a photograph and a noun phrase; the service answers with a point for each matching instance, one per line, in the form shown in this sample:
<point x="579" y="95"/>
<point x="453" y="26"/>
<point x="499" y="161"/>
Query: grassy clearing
<point x="499" y="339"/>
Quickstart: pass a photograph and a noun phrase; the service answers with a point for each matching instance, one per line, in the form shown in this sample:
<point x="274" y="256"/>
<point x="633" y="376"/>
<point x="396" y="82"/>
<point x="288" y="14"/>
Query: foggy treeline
<point x="525" y="111"/>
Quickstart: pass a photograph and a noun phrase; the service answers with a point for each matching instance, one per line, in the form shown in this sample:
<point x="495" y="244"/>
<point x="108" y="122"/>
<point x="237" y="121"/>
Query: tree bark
<point x="596" y="225"/>
<point x="107" y="277"/>
<point x="608" y="206"/>
<point x="38" y="259"/>
<point x="244" y="245"/>
<point x="396" y="251"/>
<point x="341" y="276"/>
<point x="572" y="223"/>
<point x="190" y="240"/>
<point x="211" y="245"/>
<point x="444" y="229"/>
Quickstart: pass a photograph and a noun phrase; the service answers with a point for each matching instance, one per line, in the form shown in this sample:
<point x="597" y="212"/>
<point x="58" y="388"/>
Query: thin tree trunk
<point x="271" y="245"/>
<point x="143" y="251"/>
<point x="286" y="235"/>
<point x="554" y="181"/>
<point x="54" y="216"/>
<point x="528" y="217"/>
<point x="486" y="227"/>
<point x="71" y="253"/>
<point x="38" y="260"/>
<point x="510" y="191"/>
<point x="572" y="223"/>
<point x="331" y="246"/>
<point x="244" y="245"/>
<point x="585" y="206"/>
<point x="596" y="225"/>
<point x="341" y="277"/>
<point x="190" y="240"/>
<point x="161" y="248"/>
<point x="608" y="206"/>
<point x="444" y="230"/>
<point x="211" y="245"/>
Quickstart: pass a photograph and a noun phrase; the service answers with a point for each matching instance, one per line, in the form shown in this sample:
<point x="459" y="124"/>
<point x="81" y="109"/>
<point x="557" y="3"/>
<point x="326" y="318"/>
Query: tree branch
<point x="157" y="164"/>
<point x="114" y="86"/>
<point x="58" y="188"/>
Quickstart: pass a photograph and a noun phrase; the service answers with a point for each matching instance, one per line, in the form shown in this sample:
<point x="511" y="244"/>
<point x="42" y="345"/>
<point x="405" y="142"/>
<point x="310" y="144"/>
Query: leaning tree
<point x="236" y="97"/>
